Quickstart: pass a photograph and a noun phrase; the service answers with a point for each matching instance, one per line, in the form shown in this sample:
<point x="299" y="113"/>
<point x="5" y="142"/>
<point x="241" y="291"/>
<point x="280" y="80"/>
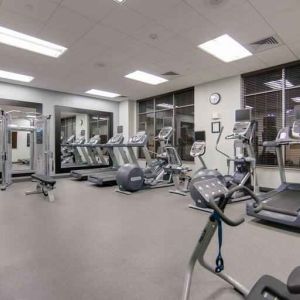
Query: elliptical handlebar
<point x="231" y="222"/>
<point x="217" y="143"/>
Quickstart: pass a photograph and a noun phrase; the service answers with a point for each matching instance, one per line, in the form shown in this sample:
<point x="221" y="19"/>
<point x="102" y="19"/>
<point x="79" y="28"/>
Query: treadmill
<point x="84" y="173"/>
<point x="281" y="205"/>
<point x="137" y="141"/>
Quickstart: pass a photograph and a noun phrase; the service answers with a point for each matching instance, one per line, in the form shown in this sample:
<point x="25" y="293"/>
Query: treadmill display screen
<point x="243" y="115"/>
<point x="200" y="136"/>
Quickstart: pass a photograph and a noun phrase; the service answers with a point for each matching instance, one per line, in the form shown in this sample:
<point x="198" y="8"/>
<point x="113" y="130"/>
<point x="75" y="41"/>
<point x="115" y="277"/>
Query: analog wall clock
<point x="215" y="98"/>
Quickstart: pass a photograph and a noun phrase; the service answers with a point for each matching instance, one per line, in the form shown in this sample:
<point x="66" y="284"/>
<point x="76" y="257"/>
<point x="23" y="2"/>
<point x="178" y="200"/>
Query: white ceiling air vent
<point x="170" y="75"/>
<point x="265" y="44"/>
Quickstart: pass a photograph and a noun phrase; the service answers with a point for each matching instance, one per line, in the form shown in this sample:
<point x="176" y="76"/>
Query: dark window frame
<point x="174" y="108"/>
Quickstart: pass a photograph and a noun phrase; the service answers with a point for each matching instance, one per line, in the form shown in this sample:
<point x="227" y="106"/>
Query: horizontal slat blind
<point x="262" y="92"/>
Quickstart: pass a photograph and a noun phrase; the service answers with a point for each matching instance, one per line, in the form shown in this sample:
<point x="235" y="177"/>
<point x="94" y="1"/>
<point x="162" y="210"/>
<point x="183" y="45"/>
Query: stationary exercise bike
<point x="209" y="190"/>
<point x="180" y="173"/>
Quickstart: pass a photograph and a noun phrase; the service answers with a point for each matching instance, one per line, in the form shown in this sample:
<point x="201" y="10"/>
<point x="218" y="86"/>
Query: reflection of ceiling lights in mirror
<point x="30" y="43"/>
<point x="146" y="77"/>
<point x="225" y="48"/>
<point x="99" y="119"/>
<point x="166" y="105"/>
<point x="278" y="84"/>
<point x="296" y="99"/>
<point x="15" y="76"/>
<point x="102" y="93"/>
<point x="120" y="1"/>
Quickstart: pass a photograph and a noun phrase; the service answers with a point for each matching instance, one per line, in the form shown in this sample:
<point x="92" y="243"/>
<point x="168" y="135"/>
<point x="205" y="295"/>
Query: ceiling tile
<point x="276" y="56"/>
<point x="19" y="23"/>
<point x="106" y="36"/>
<point x="237" y="18"/>
<point x="39" y="10"/>
<point x="65" y="27"/>
<point x="152" y="33"/>
<point x="181" y="17"/>
<point x="125" y="20"/>
<point x="93" y="9"/>
<point x="154" y="9"/>
<point x="283" y="17"/>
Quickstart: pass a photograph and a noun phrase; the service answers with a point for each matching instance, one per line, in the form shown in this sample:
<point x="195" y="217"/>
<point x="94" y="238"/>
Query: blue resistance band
<point x="219" y="260"/>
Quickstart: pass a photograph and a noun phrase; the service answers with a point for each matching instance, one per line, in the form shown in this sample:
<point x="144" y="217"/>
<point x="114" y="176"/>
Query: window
<point x="273" y="95"/>
<point x="174" y="109"/>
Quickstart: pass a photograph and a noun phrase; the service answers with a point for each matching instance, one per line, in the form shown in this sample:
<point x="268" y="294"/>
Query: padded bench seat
<point x="44" y="179"/>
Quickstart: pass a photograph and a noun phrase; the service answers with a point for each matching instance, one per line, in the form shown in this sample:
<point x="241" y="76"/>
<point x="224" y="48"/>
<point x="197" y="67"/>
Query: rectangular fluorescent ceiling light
<point x="15" y="76"/>
<point x="102" y="93"/>
<point x="120" y="1"/>
<point x="30" y="43"/>
<point x="296" y="99"/>
<point x="278" y="84"/>
<point x="146" y="77"/>
<point x="225" y="48"/>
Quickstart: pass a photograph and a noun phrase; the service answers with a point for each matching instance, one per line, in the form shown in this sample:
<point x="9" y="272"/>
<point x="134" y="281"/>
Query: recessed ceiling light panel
<point x="102" y="93"/>
<point x="146" y="77"/>
<point x="15" y="76"/>
<point x="30" y="43"/>
<point x="225" y="48"/>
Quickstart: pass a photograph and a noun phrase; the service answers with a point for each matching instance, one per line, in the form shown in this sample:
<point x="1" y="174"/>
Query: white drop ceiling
<point x="107" y="40"/>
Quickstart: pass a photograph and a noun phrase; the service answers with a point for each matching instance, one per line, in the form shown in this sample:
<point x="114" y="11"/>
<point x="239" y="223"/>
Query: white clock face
<point x="215" y="98"/>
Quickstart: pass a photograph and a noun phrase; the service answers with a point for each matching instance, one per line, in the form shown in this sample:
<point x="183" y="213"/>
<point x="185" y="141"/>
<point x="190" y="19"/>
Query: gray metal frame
<point x="198" y="255"/>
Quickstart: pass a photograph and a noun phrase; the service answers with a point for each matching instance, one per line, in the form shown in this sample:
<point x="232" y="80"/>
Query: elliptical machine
<point x="131" y="177"/>
<point x="243" y="160"/>
<point x="211" y="192"/>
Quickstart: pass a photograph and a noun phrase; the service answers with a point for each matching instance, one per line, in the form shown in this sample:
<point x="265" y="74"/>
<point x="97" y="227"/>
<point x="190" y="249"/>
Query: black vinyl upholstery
<point x="44" y="179"/>
<point x="293" y="282"/>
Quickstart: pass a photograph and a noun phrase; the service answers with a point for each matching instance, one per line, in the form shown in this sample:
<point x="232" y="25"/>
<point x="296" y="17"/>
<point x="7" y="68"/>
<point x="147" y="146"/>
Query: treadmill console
<point x="198" y="149"/>
<point x="94" y="140"/>
<point x="116" y="139"/>
<point x="80" y="140"/>
<point x="242" y="123"/>
<point x="140" y="138"/>
<point x="165" y="133"/>
<point x="296" y="124"/>
<point x="290" y="134"/>
<point x="296" y="129"/>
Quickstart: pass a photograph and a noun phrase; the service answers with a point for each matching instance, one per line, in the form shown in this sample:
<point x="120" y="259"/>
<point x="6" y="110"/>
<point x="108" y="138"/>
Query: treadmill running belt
<point x="288" y="200"/>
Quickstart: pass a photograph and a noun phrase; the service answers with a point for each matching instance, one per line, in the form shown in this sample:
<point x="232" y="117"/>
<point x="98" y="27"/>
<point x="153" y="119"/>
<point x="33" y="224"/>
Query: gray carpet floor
<point x="93" y="243"/>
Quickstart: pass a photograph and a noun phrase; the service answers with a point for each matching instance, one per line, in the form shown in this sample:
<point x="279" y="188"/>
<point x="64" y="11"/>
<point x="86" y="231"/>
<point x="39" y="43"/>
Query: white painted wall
<point x="51" y="98"/>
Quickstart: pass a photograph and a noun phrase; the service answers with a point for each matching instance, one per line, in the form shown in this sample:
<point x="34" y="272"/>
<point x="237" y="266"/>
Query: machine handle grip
<point x="227" y="220"/>
<point x="246" y="191"/>
<point x="220" y="134"/>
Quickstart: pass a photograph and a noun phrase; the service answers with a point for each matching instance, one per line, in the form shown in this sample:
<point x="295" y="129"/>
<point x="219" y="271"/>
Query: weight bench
<point x="45" y="185"/>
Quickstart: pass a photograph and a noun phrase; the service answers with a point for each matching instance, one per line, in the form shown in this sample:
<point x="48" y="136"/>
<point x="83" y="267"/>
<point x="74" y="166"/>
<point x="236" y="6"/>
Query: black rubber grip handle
<point x="227" y="220"/>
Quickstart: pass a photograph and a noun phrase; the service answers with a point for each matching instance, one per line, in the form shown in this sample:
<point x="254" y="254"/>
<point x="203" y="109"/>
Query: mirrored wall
<point x="75" y="128"/>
